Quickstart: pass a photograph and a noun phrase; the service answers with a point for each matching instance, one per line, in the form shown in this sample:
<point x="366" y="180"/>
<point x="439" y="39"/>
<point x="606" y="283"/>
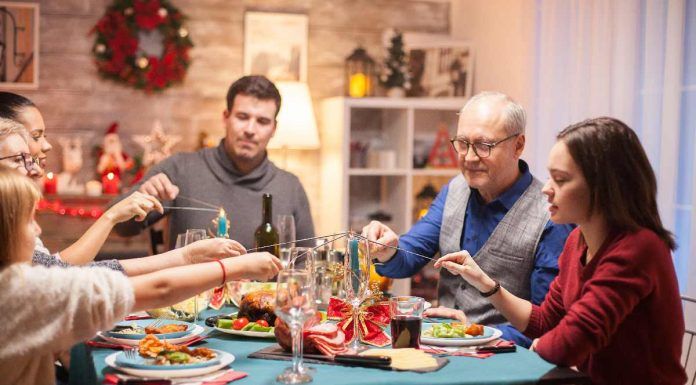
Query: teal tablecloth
<point x="523" y="366"/>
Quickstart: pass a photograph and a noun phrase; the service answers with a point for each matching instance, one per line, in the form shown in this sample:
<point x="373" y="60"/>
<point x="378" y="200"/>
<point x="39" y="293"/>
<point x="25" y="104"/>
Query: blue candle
<point x="354" y="265"/>
<point x="222" y="224"/>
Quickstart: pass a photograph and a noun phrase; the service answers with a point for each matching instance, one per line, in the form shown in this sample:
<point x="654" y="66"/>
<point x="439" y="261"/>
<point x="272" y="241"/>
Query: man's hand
<point x="534" y="345"/>
<point x="461" y="263"/>
<point x="161" y="187"/>
<point x="376" y="231"/>
<point x="445" y="312"/>
<point x="260" y="266"/>
<point x="207" y="250"/>
<point x="136" y="205"/>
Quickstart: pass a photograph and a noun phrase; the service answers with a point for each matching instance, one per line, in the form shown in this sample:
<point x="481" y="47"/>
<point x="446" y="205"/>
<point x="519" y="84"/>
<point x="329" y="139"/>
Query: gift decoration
<point x="372" y="318"/>
<point x="119" y="51"/>
<point x="157" y="146"/>
<point x="112" y="159"/>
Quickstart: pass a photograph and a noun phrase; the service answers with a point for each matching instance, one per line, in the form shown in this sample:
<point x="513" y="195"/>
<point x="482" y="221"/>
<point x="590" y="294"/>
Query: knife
<point x="383" y="362"/>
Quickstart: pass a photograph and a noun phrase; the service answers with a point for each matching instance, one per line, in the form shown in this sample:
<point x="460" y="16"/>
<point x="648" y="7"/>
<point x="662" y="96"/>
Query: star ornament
<point x="157" y="146"/>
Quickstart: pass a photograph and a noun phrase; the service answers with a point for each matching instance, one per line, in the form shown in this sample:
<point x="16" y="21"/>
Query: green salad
<point x="448" y="330"/>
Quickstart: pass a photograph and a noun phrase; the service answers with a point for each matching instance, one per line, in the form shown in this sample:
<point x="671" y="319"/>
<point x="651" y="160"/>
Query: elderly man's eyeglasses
<point x="29" y="161"/>
<point x="481" y="149"/>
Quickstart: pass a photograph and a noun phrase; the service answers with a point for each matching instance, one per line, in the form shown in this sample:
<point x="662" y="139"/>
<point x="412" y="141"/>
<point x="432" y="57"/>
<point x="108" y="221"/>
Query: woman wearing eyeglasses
<point x="14" y="151"/>
<point x="614" y="310"/>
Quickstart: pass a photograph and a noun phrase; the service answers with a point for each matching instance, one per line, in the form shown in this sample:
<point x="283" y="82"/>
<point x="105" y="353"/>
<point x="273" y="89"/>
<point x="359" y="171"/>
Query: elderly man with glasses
<point x="495" y="210"/>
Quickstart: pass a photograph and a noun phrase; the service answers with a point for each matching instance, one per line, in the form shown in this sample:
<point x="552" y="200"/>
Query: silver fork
<point x="131" y="353"/>
<point x="155" y="324"/>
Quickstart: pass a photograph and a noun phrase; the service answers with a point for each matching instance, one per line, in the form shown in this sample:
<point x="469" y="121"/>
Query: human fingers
<point x="157" y="205"/>
<point x="457" y="257"/>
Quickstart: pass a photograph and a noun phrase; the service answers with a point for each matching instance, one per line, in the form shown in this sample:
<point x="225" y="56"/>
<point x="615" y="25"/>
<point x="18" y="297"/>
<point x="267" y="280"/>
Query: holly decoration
<point x="395" y="67"/>
<point x="118" y="55"/>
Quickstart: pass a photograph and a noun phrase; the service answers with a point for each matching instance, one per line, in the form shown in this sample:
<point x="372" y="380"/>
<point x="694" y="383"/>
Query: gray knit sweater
<point x="209" y="175"/>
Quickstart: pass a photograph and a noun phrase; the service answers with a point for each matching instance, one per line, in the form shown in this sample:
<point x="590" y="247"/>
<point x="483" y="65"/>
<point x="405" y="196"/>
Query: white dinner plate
<point x="489" y="334"/>
<point x="124" y="341"/>
<point x="225" y="360"/>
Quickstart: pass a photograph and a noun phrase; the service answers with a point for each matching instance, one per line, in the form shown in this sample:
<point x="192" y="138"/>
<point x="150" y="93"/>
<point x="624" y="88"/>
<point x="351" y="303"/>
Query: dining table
<point x="522" y="366"/>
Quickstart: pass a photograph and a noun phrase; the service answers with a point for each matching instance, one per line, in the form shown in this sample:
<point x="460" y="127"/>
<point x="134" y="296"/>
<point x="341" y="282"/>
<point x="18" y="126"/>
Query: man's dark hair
<point x="255" y="85"/>
<point x="617" y="170"/>
<point x="11" y="105"/>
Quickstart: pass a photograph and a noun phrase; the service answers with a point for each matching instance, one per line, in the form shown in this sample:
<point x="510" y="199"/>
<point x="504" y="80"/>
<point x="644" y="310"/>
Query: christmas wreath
<point x="117" y="50"/>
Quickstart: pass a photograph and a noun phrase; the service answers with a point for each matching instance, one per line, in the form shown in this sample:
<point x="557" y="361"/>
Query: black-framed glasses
<point x="29" y="161"/>
<point x="481" y="149"/>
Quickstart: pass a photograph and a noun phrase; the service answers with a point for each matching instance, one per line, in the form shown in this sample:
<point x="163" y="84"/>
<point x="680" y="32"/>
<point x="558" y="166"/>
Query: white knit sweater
<point x="44" y="311"/>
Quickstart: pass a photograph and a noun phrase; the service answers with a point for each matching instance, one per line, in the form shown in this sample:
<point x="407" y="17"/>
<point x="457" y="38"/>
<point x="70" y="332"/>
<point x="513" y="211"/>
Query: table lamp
<point x="297" y="127"/>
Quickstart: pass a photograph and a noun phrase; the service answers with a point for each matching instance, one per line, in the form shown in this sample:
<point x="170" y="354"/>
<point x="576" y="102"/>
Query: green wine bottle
<point x="266" y="235"/>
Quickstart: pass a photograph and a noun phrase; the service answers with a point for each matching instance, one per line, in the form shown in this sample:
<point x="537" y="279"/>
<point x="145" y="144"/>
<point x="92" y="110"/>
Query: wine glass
<point x="286" y="231"/>
<point x="189" y="309"/>
<point x="295" y="305"/>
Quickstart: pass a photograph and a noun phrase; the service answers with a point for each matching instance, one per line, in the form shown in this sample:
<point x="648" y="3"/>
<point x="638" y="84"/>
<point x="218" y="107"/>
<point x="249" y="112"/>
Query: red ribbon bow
<point x="372" y="318"/>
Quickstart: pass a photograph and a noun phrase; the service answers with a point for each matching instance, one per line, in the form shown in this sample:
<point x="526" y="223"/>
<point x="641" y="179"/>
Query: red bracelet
<point x="224" y="274"/>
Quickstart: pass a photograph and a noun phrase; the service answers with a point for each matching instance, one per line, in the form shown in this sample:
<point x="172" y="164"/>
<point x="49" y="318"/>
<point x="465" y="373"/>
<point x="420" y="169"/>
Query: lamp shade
<point x="297" y="127"/>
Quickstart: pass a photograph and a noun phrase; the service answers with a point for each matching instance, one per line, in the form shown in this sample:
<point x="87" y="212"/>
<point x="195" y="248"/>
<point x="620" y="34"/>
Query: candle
<point x="110" y="183"/>
<point x="93" y="188"/>
<point x="50" y="185"/>
<point x="358" y="85"/>
<point x="222" y="224"/>
<point x="354" y="265"/>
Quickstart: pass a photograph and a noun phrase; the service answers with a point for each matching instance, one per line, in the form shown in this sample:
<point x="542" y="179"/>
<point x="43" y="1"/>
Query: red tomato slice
<point x="239" y="323"/>
<point x="262" y="322"/>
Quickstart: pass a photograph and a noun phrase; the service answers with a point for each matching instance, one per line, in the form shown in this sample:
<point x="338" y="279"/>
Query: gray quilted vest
<point x="507" y="256"/>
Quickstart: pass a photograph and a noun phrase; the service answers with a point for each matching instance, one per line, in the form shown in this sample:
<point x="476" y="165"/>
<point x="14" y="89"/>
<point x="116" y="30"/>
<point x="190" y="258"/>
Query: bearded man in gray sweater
<point x="234" y="175"/>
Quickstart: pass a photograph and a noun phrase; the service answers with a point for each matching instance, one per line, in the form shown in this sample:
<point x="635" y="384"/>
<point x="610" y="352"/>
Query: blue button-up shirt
<point x="480" y="221"/>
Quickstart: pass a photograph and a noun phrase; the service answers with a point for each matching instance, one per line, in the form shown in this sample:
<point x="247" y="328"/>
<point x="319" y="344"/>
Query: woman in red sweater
<point x="614" y="310"/>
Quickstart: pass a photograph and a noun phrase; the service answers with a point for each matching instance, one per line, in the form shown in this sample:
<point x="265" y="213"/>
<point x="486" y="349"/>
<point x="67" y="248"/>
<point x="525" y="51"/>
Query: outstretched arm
<point x="137" y="206"/>
<point x="200" y="251"/>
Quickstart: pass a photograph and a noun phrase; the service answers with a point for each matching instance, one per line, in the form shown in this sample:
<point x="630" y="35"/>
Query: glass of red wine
<point x="406" y="317"/>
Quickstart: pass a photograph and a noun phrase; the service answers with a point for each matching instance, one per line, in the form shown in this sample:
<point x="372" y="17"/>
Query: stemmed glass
<point x="357" y="281"/>
<point x="286" y="231"/>
<point x="295" y="304"/>
<point x="200" y="301"/>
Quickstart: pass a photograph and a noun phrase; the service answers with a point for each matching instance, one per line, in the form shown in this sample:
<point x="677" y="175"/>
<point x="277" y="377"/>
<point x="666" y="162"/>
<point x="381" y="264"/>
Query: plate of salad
<point x="457" y="334"/>
<point x="231" y="324"/>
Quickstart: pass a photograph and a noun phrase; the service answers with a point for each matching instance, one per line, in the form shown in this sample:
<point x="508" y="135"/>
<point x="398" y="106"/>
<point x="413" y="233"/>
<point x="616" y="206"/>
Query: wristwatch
<point x="494" y="290"/>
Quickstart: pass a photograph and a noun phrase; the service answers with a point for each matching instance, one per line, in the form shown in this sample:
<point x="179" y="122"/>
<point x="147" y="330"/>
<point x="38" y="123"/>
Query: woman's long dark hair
<point x="11" y="104"/>
<point x="617" y="170"/>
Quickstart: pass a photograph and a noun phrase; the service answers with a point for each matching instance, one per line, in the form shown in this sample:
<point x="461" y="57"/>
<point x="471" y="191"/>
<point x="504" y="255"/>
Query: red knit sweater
<point x="618" y="318"/>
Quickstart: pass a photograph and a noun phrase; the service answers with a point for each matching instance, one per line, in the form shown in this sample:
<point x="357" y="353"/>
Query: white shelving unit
<point x="404" y="127"/>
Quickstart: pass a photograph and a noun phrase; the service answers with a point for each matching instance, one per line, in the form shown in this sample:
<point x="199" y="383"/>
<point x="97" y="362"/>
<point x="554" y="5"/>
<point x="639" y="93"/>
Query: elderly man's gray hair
<point x="515" y="116"/>
<point x="9" y="127"/>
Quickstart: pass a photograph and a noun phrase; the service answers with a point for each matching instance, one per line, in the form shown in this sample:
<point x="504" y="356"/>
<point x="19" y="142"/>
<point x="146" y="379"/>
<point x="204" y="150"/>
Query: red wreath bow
<point x="372" y="318"/>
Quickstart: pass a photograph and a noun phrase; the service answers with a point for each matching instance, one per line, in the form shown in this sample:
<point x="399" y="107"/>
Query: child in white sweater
<point x="44" y="311"/>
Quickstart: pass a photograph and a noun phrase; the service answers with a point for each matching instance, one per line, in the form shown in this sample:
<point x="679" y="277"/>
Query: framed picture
<point x="275" y="45"/>
<point x="19" y="45"/>
<point x="440" y="65"/>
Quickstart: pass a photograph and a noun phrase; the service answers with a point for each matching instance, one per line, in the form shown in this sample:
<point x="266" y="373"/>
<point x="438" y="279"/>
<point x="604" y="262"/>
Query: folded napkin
<point x="137" y="316"/>
<point x="222" y="378"/>
<point x="474" y="351"/>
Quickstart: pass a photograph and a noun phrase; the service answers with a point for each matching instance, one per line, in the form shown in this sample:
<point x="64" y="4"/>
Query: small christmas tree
<point x="395" y="69"/>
